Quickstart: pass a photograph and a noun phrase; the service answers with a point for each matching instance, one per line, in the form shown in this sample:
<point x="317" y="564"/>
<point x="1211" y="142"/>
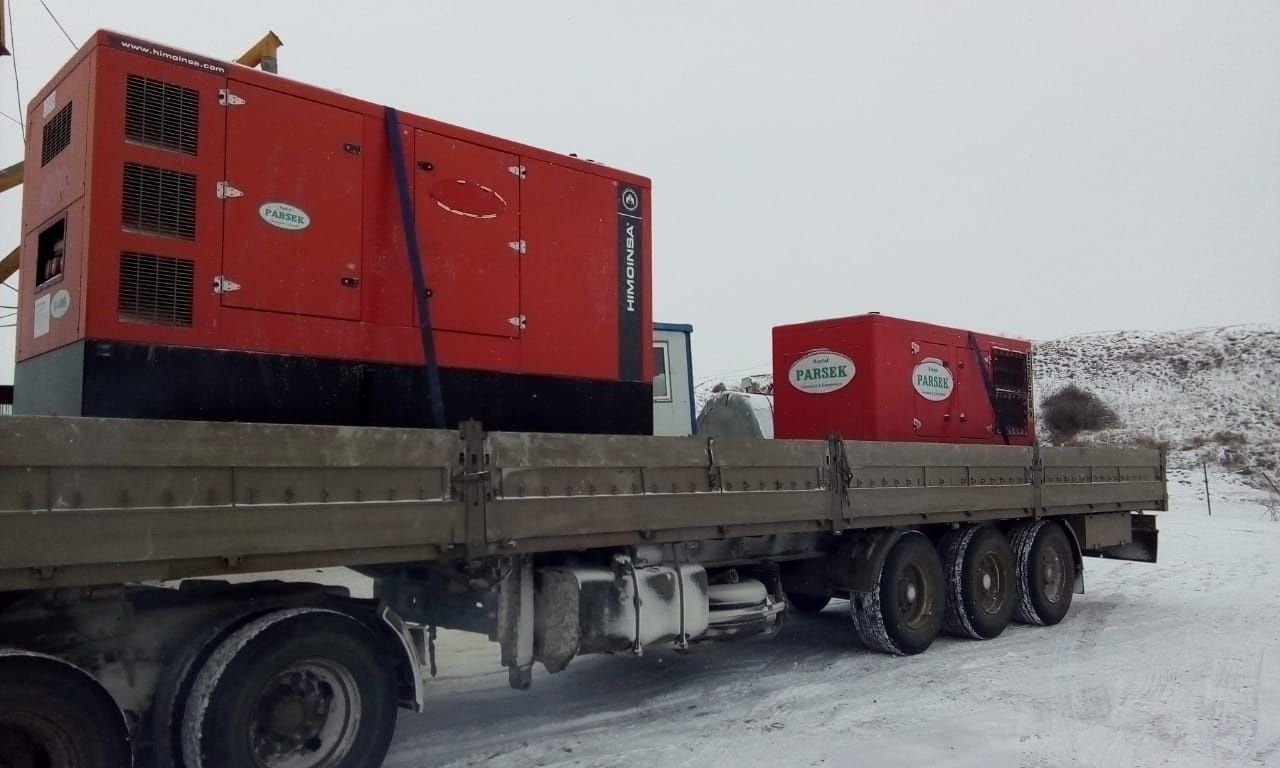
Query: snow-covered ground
<point x="1172" y="664"/>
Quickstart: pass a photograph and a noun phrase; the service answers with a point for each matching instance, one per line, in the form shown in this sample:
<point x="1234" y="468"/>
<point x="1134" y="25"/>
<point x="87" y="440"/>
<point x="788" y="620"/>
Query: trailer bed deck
<point x="100" y="501"/>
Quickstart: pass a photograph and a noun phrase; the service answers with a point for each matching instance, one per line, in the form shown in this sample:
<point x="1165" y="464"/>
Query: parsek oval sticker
<point x="284" y="216"/>
<point x="932" y="380"/>
<point x="821" y="371"/>
<point x="60" y="304"/>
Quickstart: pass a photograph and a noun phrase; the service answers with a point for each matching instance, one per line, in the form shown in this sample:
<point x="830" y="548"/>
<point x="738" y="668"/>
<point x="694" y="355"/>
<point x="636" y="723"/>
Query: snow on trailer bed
<point x="1168" y="664"/>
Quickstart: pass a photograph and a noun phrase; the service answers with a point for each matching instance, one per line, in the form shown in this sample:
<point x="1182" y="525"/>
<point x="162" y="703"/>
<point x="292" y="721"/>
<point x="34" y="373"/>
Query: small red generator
<point x="206" y="241"/>
<point x="873" y="377"/>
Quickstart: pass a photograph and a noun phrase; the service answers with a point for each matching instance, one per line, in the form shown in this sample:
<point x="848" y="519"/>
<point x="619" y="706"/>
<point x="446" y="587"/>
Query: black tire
<point x="802" y="603"/>
<point x="1045" y="565"/>
<point x="321" y="674"/>
<point x="903" y="614"/>
<point x="980" y="582"/>
<point x="52" y="714"/>
<point x="174" y="686"/>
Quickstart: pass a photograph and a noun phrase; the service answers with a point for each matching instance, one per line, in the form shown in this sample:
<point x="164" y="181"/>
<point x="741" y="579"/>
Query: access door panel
<point x="933" y="384"/>
<point x="467" y="210"/>
<point x="292" y="241"/>
<point x="972" y="396"/>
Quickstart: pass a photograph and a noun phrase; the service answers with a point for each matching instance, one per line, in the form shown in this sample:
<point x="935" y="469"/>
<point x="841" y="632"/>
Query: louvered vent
<point x="159" y="201"/>
<point x="162" y="114"/>
<point x="155" y="289"/>
<point x="57" y="135"/>
<point x="1011" y="380"/>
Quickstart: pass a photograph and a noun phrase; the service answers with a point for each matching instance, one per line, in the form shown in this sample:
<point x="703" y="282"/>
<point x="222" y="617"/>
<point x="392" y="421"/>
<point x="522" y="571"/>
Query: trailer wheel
<point x="980" y="574"/>
<point x="1045" y="570"/>
<point x="802" y="603"/>
<point x="53" y="715"/>
<point x="902" y="614"/>
<point x="174" y="687"/>
<point x="302" y="688"/>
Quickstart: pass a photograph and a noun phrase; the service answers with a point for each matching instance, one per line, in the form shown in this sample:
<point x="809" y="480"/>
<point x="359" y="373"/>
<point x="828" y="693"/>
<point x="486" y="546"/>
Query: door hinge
<point x="228" y="99"/>
<point x="223" y="284"/>
<point x="516" y="170"/>
<point x="225" y="190"/>
<point x="518" y="321"/>
<point x="516" y="245"/>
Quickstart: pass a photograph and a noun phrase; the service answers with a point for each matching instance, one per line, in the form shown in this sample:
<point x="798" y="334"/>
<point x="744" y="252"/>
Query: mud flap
<point x="1142" y="548"/>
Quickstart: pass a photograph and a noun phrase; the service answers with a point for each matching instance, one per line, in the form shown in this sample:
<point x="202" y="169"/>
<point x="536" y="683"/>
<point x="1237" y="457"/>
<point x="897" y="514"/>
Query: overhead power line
<point x="55" y="21"/>
<point x="17" y="83"/>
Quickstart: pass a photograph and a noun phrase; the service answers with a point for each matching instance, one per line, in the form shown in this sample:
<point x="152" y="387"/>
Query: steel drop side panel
<point x="91" y="501"/>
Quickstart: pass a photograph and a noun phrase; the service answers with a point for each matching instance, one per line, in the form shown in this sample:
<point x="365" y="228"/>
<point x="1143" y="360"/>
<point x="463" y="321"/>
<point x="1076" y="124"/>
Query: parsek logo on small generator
<point x="932" y="380"/>
<point x="284" y="216"/>
<point x="821" y="371"/>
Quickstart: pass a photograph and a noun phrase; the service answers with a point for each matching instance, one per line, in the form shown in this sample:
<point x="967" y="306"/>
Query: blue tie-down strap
<point x="990" y="385"/>
<point x="434" y="393"/>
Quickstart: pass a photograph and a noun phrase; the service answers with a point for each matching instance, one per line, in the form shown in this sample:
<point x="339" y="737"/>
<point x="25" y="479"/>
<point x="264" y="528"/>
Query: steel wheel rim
<point x="1052" y="574"/>
<point x="307" y="716"/>
<point x="991" y="578"/>
<point x="913" y="596"/>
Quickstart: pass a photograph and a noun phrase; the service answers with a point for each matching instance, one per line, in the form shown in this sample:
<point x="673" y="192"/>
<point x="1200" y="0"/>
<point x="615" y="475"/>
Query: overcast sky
<point x="1038" y="169"/>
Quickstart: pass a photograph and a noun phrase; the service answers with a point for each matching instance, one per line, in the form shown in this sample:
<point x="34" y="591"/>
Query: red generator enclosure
<point x="872" y="377"/>
<point x="202" y="240"/>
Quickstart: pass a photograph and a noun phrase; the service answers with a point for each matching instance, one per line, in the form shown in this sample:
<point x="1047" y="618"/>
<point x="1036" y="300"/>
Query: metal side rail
<point x="100" y="501"/>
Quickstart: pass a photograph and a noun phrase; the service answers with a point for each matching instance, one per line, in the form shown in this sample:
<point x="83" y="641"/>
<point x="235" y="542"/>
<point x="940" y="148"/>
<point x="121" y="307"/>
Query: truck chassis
<point x="553" y="546"/>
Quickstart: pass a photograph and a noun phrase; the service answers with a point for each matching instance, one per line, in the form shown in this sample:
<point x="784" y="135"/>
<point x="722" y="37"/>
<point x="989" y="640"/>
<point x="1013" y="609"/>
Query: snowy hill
<point x="1207" y="394"/>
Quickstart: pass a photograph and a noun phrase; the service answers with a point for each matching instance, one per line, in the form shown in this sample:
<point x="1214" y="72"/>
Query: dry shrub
<point x="1072" y="410"/>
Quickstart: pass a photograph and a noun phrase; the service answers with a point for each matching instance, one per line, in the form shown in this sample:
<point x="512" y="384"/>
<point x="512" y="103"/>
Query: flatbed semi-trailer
<point x="553" y="545"/>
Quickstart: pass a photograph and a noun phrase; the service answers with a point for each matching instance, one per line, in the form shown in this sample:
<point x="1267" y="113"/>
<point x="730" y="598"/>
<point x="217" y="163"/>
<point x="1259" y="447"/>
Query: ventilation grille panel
<point x="162" y="114"/>
<point x="1011" y="379"/>
<point x="57" y="135"/>
<point x="159" y="201"/>
<point x="155" y="289"/>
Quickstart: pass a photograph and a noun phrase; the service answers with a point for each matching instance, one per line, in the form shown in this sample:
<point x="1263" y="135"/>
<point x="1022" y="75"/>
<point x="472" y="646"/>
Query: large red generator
<point x="206" y="241"/>
<point x="873" y="377"/>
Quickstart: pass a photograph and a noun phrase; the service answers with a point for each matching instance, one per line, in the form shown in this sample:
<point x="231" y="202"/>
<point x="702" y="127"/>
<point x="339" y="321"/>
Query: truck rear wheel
<point x="303" y="688"/>
<point x="980" y="574"/>
<point x="902" y="613"/>
<point x="174" y="688"/>
<point x="1045" y="572"/>
<point x="53" y="715"/>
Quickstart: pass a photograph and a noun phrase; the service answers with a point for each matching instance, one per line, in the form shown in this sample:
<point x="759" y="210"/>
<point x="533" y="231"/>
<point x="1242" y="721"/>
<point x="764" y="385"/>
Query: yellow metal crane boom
<point x="263" y="53"/>
<point x="9" y="178"/>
